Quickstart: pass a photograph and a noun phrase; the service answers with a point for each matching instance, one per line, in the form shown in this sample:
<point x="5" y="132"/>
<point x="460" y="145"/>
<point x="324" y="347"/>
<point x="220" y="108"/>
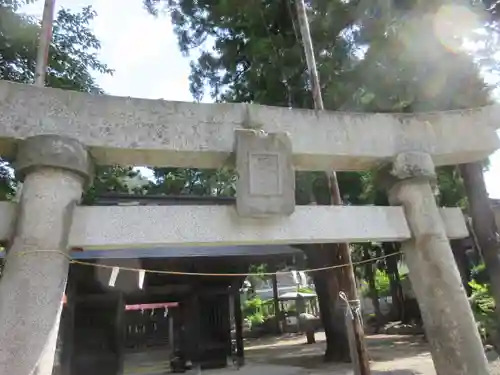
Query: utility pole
<point x="44" y="42"/>
<point x="357" y="343"/>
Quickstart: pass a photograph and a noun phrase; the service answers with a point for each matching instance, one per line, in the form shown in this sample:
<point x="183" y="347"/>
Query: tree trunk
<point x="276" y="303"/>
<point x="327" y="288"/>
<point x="397" y="306"/>
<point x="462" y="264"/>
<point x="483" y="224"/>
<point x="485" y="228"/>
<point x="370" y="277"/>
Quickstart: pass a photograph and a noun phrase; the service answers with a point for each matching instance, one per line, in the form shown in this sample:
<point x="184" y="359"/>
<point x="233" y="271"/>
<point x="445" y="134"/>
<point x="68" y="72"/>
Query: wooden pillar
<point x="120" y="331"/>
<point x="276" y="302"/>
<point x="67" y="326"/>
<point x="195" y="338"/>
<point x="238" y="325"/>
<point x="171" y="334"/>
<point x="96" y="345"/>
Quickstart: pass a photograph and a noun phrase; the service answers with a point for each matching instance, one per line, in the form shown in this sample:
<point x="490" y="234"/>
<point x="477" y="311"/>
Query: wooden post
<point x="349" y="280"/>
<point x="67" y="327"/>
<point x="120" y="331"/>
<point x="196" y="344"/>
<point x="44" y="42"/>
<point x="171" y="334"/>
<point x="276" y="301"/>
<point x="238" y="325"/>
<point x="350" y="313"/>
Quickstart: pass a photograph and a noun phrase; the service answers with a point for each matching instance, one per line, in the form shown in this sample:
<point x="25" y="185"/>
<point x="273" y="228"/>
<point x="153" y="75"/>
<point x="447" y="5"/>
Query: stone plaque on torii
<point x="56" y="136"/>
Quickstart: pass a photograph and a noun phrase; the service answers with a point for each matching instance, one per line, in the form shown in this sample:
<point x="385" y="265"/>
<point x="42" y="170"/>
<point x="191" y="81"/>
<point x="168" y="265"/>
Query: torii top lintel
<point x="128" y="131"/>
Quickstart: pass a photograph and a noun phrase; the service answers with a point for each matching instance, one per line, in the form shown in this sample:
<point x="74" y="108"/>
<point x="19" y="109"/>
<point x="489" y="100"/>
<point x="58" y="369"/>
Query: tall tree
<point x="257" y="58"/>
<point x="72" y="55"/>
<point x="72" y="62"/>
<point x="190" y="181"/>
<point x="256" y="55"/>
<point x="418" y="66"/>
<point x="411" y="63"/>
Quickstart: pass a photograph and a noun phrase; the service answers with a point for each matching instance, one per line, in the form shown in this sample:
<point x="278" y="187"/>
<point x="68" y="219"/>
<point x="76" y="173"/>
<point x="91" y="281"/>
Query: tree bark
<point x="397" y="308"/>
<point x="276" y="303"/>
<point x="370" y="276"/>
<point x="485" y="229"/>
<point x="462" y="264"/>
<point x="483" y="224"/>
<point x="327" y="288"/>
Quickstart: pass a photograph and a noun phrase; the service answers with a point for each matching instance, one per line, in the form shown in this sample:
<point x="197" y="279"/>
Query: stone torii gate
<point x="56" y="137"/>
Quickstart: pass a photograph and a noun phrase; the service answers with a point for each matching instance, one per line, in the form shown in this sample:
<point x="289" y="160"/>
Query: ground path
<point x="400" y="354"/>
<point x="289" y="355"/>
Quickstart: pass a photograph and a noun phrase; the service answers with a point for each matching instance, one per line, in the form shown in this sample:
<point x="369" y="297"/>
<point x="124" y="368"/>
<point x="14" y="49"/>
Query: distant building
<point x="287" y="282"/>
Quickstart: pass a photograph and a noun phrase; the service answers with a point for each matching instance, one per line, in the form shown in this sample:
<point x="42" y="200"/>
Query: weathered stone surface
<point x="156" y="219"/>
<point x="449" y="324"/>
<point x="416" y="165"/>
<point x="36" y="269"/>
<point x="131" y="131"/>
<point x="8" y="212"/>
<point x="53" y="151"/>
<point x="109" y="227"/>
<point x="33" y="282"/>
<point x="266" y="177"/>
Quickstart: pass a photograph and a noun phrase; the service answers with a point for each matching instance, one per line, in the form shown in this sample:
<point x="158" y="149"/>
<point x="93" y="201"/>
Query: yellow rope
<point x="179" y="273"/>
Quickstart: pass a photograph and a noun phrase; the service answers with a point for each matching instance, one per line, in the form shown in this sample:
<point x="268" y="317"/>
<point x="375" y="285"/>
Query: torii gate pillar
<point x="54" y="170"/>
<point x="449" y="324"/>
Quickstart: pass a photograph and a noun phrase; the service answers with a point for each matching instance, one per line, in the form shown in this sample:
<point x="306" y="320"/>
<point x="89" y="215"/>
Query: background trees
<point x="73" y="59"/>
<point x="372" y="56"/>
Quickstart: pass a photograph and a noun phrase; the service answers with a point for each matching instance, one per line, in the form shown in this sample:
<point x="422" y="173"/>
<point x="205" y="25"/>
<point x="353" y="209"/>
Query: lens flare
<point x="453" y="23"/>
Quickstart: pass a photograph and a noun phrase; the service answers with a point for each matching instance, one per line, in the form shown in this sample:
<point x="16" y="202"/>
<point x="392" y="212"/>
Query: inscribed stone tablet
<point x="266" y="183"/>
<point x="265" y="178"/>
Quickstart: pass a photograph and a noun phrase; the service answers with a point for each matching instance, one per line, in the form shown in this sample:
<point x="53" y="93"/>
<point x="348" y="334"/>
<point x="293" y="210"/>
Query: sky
<point x="144" y="53"/>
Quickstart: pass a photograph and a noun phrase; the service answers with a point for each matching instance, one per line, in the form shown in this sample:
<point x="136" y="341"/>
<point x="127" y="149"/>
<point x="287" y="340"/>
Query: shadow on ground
<point x="294" y="351"/>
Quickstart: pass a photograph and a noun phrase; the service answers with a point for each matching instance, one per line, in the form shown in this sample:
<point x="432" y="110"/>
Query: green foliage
<point x="410" y="66"/>
<point x="190" y="181"/>
<point x="451" y="188"/>
<point x="256" y="318"/>
<point x="480" y="274"/>
<point x="257" y="58"/>
<point x="306" y="290"/>
<point x="110" y="179"/>
<point x="72" y="61"/>
<point x="382" y="284"/>
<point x="252" y="306"/>
<point x="483" y="307"/>
<point x="257" y="277"/>
<point x="252" y="52"/>
<point x="72" y="53"/>
<point x="258" y="269"/>
<point x="257" y="55"/>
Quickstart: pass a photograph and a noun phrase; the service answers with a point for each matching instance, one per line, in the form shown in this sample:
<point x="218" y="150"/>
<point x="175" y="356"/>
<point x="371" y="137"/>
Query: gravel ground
<point x="390" y="355"/>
